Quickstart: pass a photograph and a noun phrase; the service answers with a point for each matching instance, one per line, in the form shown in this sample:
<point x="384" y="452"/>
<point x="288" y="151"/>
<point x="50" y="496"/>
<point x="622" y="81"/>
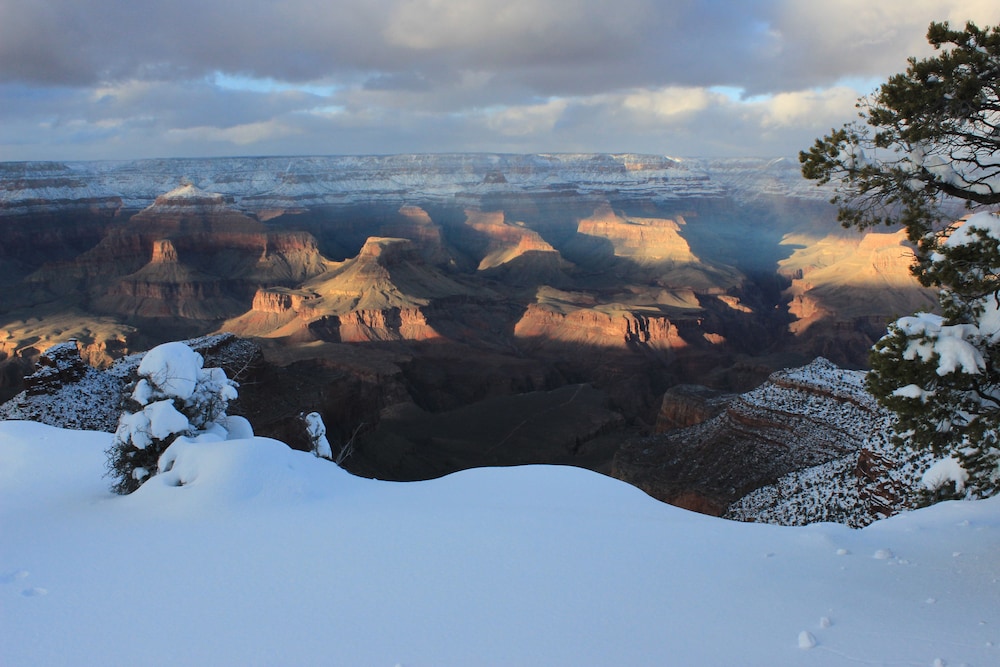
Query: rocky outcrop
<point x="579" y="318"/>
<point x="845" y="278"/>
<point x="362" y="326"/>
<point x="280" y="300"/>
<point x="189" y="256"/>
<point x="689" y="404"/>
<point x="377" y="296"/>
<point x="880" y="479"/>
<point x="602" y="328"/>
<point x="512" y="253"/>
<point x="651" y="250"/>
<point x="796" y="420"/>
<point x="60" y="364"/>
<point x="505" y="240"/>
<point x="639" y="239"/>
<point x="164" y="252"/>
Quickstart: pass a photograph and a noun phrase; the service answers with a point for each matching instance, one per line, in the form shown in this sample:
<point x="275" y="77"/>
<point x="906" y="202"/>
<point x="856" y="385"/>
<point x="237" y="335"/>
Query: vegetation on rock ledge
<point x="929" y="146"/>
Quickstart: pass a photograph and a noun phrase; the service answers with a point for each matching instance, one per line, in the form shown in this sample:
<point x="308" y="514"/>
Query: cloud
<point x="683" y="77"/>
<point x="532" y="120"/>
<point x="810" y="108"/>
<point x="669" y="102"/>
<point x="237" y="135"/>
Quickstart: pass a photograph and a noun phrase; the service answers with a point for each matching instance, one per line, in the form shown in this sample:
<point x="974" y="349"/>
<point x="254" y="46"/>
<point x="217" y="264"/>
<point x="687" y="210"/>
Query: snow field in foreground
<point x="267" y="556"/>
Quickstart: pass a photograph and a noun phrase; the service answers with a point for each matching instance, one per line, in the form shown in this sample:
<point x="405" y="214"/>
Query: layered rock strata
<point x="796" y="420"/>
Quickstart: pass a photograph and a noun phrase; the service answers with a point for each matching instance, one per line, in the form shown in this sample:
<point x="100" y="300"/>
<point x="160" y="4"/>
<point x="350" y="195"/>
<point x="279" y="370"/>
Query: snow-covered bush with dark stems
<point x="316" y="431"/>
<point x="174" y="396"/>
<point x="319" y="445"/>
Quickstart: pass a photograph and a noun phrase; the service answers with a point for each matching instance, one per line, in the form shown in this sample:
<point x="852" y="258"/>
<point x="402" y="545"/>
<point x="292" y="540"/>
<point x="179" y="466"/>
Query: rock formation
<point x="796" y="420"/>
<point x="188" y="256"/>
<point x="686" y="405"/>
<point x="655" y="248"/>
<point x="512" y="253"/>
<point x="578" y="318"/>
<point x="376" y="296"/>
<point x="845" y="288"/>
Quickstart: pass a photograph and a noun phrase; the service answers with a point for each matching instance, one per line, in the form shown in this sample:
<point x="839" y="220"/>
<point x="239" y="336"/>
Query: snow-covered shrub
<point x="173" y="396"/>
<point x="319" y="445"/>
<point x="316" y="430"/>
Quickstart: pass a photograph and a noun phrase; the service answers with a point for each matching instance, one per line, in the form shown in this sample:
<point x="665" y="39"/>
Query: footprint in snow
<point x="882" y="554"/>
<point x="34" y="592"/>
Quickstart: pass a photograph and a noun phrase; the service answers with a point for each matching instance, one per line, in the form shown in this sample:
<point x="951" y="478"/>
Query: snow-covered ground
<point x="268" y="556"/>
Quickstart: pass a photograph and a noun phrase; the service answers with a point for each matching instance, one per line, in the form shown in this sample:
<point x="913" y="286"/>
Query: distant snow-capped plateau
<point x="257" y="183"/>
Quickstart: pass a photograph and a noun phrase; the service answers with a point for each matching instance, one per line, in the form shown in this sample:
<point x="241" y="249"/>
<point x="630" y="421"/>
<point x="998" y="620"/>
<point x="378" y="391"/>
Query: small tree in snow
<point x="930" y="145"/>
<point x="173" y="396"/>
<point x="319" y="445"/>
<point x="316" y="431"/>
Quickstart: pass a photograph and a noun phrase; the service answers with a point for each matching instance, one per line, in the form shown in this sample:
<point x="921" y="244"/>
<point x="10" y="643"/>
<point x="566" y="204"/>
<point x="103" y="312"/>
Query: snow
<point x="173" y="367"/>
<point x="947" y="470"/>
<point x="135" y="428"/>
<point x="988" y="223"/>
<point x="143" y="392"/>
<point x="250" y="553"/>
<point x="164" y="419"/>
<point x="930" y="337"/>
<point x="236" y="427"/>
<point x="316" y="430"/>
<point x="256" y="183"/>
<point x="913" y="391"/>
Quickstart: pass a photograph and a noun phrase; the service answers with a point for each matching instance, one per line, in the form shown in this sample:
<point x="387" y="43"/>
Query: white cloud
<point x="246" y="134"/>
<point x="669" y="102"/>
<point x="527" y="120"/>
<point x="810" y="108"/>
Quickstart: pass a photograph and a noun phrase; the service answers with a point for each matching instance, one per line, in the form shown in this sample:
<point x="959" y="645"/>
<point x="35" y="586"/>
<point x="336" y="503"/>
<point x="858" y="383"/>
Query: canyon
<point x="450" y="311"/>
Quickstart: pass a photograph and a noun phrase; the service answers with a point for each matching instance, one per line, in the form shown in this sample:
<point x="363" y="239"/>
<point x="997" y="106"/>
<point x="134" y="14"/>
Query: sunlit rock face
<point x="601" y="327"/>
<point x="843" y="286"/>
<point x="188" y="256"/>
<point x="376" y="296"/>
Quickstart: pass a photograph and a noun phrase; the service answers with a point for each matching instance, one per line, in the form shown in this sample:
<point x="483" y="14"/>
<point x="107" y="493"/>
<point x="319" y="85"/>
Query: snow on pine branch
<point x="174" y="396"/>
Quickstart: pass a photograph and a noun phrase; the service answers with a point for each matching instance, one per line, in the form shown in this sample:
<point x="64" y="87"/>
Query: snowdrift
<point x="249" y="553"/>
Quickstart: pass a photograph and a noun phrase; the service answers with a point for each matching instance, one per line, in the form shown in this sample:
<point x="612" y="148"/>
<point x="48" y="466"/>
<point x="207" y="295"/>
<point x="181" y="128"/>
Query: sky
<point x="122" y="79"/>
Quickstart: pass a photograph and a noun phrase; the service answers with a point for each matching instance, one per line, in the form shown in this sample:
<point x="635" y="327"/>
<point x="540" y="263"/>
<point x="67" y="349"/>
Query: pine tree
<point x="926" y="154"/>
<point x="173" y="396"/>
